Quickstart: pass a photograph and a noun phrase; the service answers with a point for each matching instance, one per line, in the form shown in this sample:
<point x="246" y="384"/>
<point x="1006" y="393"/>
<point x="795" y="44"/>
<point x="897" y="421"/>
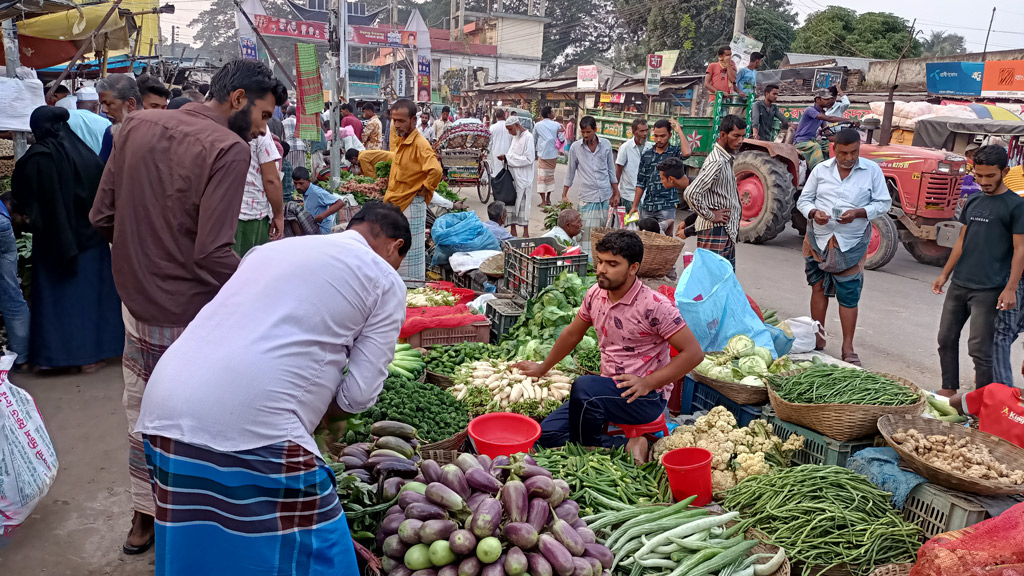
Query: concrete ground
<point x="78" y="528"/>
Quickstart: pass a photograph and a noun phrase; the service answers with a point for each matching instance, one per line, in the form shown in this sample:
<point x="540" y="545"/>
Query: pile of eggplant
<point x="488" y="518"/>
<point x="391" y="457"/>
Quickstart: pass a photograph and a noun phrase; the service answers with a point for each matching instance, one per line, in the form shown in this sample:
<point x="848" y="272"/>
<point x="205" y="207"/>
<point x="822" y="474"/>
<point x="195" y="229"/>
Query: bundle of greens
<point x="447" y="359"/>
<point x="445" y="191"/>
<point x="551" y="213"/>
<point x="383" y="169"/>
<point x="436" y="414"/>
<point x="544" y="318"/>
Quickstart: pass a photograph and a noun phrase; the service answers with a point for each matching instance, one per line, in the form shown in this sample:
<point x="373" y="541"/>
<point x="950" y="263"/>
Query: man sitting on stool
<point x="635" y="326"/>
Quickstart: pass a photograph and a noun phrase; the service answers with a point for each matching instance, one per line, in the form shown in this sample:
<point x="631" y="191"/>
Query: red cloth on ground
<point x="420" y="319"/>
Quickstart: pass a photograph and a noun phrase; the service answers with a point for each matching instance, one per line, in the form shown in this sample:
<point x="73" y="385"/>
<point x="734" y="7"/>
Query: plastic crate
<point x="697" y="396"/>
<point x="503" y="314"/>
<point x="478" y="331"/>
<point x="937" y="510"/>
<point x="528" y="275"/>
<point x="818" y="448"/>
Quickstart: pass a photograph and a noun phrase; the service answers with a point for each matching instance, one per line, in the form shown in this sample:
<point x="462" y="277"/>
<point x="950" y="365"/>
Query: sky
<point x="963" y="17"/>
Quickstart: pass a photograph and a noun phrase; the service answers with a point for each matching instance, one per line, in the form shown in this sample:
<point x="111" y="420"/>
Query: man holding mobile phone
<point x="841" y="197"/>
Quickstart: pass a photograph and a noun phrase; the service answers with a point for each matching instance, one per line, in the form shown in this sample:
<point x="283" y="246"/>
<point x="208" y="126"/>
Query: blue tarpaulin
<point x="955" y="78"/>
<point x="113" y="63"/>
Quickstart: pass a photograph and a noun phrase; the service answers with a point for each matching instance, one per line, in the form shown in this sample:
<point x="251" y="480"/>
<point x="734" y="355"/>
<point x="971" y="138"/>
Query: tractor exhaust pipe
<point x="885" y="134"/>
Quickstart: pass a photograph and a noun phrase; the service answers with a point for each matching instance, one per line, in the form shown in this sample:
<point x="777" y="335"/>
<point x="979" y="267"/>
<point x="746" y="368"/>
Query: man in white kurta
<point x="500" y="141"/>
<point x="521" y="159"/>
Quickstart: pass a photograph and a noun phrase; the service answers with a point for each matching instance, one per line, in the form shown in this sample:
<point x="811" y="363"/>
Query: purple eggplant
<point x="449" y="570"/>
<point x="409" y="531"/>
<point x="568" y="537"/>
<point x="379" y="539"/>
<point x="390" y="488"/>
<point x="601" y="553"/>
<point x="486" y="519"/>
<point x="387" y="456"/>
<point x="524" y="470"/>
<point x="355" y="451"/>
<point x="485" y="461"/>
<point x="361" y="475"/>
<point x="529" y="460"/>
<point x="578" y="524"/>
<point x="581" y="567"/>
<point x="538" y="514"/>
<point x="425" y="572"/>
<point x="445" y="497"/>
<point x="556" y="497"/>
<point x="389" y="564"/>
<point x="521" y="534"/>
<point x="470" y="566"/>
<point x="400" y="570"/>
<point x="414" y="486"/>
<point x="351" y="462"/>
<point x="568" y="511"/>
<point x="405" y="499"/>
<point x="402" y="468"/>
<point x="476" y="499"/>
<point x="433" y="530"/>
<point x="596" y="568"/>
<point x="453" y="477"/>
<point x="431" y="471"/>
<point x="539" y="566"/>
<point x="482" y="481"/>
<point x="391" y="523"/>
<point x="467" y="462"/>
<point x="496" y="568"/>
<point x="513" y="496"/>
<point x="564" y="487"/>
<point x="539" y="486"/>
<point x="515" y="562"/>
<point x="556" y="554"/>
<point x="396" y="509"/>
<point x="424" y="511"/>
<point x="587" y="534"/>
<point x="419" y="478"/>
<point x="395" y="547"/>
<point x="462" y="542"/>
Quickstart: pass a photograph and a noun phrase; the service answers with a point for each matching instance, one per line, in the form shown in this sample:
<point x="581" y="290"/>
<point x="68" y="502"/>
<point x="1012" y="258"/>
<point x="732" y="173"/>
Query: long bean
<point x="839" y="385"/>
<point x="605" y="480"/>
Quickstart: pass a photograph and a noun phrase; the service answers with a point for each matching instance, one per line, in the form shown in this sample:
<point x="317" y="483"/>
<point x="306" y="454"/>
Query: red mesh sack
<point x="420" y="319"/>
<point x="994" y="547"/>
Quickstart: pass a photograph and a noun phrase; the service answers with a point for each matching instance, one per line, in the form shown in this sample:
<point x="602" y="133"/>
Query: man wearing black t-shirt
<point x="986" y="265"/>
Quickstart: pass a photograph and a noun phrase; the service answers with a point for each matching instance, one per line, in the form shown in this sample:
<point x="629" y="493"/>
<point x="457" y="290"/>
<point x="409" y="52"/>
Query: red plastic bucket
<point x="689" y="473"/>
<point x="503" y="433"/>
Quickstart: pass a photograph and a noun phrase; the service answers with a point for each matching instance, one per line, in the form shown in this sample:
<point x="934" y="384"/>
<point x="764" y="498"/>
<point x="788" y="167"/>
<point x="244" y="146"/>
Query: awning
<point x="16" y="8"/>
<point x="986" y="111"/>
<point x="935" y="132"/>
<point x="91" y="68"/>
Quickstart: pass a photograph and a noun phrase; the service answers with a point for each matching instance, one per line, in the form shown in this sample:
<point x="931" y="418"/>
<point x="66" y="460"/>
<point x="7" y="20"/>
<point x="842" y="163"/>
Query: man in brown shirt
<point x="172" y="225"/>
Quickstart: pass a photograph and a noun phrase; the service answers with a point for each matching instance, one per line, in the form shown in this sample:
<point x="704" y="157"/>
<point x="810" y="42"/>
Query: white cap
<point x="87" y="94"/>
<point x="68" y="103"/>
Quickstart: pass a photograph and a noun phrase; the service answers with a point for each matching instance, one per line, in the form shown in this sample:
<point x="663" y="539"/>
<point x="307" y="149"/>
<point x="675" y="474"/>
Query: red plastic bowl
<point x="503" y="433"/>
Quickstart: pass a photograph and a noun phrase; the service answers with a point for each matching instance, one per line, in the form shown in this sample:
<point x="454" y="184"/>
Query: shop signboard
<point x="380" y="37"/>
<point x="612" y="97"/>
<point x="586" y="77"/>
<point x="1003" y="79"/>
<point x="400" y="82"/>
<point x="315" y="32"/>
<point x="825" y="78"/>
<point x="652" y="85"/>
<point x="423" y="78"/>
<point x="954" y="78"/>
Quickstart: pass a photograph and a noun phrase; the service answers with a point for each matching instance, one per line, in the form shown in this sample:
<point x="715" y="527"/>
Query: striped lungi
<point x="267" y="511"/>
<point x="546" y="175"/>
<point x="717" y="240"/>
<point x="414" y="266"/>
<point x="594" y="215"/>
<point x="811" y="152"/>
<point x="143" y="347"/>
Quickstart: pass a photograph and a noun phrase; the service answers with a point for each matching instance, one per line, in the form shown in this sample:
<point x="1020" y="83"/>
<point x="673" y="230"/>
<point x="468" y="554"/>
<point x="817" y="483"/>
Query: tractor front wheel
<point x="885" y="240"/>
<point x="766" y="195"/>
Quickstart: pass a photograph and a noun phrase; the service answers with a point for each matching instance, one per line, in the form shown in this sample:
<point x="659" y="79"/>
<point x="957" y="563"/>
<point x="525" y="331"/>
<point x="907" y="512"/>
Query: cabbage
<point x="763" y="354"/>
<point x="723" y="373"/>
<point x="783" y="364"/>
<point x="739" y="346"/>
<point x="753" y="366"/>
<point x="705" y="366"/>
<point x="752" y="381"/>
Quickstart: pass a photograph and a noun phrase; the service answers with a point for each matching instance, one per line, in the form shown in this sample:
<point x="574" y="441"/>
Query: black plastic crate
<point x="818" y="448"/>
<point x="528" y="275"/>
<point x="503" y="314"/>
<point x="698" y="396"/>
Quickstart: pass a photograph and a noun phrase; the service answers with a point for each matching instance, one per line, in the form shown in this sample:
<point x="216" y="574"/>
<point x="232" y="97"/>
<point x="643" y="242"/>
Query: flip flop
<point x="852" y="359"/>
<point x="136" y="550"/>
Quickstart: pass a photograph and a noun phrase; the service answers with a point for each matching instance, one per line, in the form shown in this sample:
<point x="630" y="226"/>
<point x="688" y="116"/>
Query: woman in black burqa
<point x="76" y="312"/>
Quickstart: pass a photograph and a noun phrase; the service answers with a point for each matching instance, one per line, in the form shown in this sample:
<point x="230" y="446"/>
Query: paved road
<point x="78" y="529"/>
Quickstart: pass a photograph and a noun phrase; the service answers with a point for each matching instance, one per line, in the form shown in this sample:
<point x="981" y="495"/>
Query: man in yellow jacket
<point x="415" y="174"/>
<point x="367" y="160"/>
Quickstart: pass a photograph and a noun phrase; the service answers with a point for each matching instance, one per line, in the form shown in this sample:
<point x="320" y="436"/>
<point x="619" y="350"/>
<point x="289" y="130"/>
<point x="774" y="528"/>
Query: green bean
<point x="838" y="385"/>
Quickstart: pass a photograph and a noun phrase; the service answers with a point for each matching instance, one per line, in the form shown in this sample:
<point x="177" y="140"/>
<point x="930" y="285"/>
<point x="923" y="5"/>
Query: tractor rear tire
<point x="928" y="252"/>
<point x="770" y="188"/>
<point x="888" y="242"/>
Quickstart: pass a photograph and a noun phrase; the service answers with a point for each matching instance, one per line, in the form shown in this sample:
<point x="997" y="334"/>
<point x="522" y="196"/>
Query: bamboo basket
<point x="1002" y="450"/>
<point x="453" y="443"/>
<point x="738" y="393"/>
<point x="442" y="457"/>
<point x="440" y="380"/>
<point x="843" y="422"/>
<point x="893" y="570"/>
<point x="764" y="547"/>
<point x="661" y="252"/>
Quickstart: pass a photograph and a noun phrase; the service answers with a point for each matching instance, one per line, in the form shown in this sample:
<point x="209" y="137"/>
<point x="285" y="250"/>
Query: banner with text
<point x="1003" y="78"/>
<point x="380" y="37"/>
<point x="586" y="77"/>
<point x="954" y="78"/>
<point x="652" y="85"/>
<point x="423" y="79"/>
<point x="315" y="32"/>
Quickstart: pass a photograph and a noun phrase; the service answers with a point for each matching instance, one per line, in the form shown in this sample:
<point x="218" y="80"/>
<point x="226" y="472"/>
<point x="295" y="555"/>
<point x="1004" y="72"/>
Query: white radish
<point x="517" y="393"/>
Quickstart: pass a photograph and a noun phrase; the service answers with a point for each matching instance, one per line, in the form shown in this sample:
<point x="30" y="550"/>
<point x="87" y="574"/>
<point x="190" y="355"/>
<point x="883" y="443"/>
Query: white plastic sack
<point x="18" y="98"/>
<point x="804" y="331"/>
<point x="28" y="462"/>
<point x="462" y="262"/>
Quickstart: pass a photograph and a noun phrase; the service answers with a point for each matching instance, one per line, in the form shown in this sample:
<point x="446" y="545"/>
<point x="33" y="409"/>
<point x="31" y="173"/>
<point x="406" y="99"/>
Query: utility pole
<point x="174" y="33"/>
<point x="739" y="22"/>
<point x="12" y="52"/>
<point x="984" y="52"/>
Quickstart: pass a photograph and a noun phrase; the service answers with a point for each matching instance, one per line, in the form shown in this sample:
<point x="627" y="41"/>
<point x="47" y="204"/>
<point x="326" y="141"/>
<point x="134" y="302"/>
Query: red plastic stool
<point x="639" y="430"/>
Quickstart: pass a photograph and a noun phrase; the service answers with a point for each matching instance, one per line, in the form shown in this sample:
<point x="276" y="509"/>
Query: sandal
<point x="852" y="358"/>
<point x="136" y="550"/>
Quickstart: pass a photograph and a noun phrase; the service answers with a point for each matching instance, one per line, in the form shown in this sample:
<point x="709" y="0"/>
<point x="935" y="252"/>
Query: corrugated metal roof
<point x="795" y="58"/>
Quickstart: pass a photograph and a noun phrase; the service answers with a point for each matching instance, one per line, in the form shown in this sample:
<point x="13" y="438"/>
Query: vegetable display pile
<point x="589" y="360"/>
<point x="551" y="213"/>
<point x="382" y="169"/>
<point x="427" y="296"/>
<point x="491" y="518"/>
<point x="497" y="386"/>
<point x="679" y="541"/>
<point x="826" y="516"/>
<point x="445" y="191"/>
<point x="828" y="384"/>
<point x="940" y="409"/>
<point x="544" y="318"/>
<point x="431" y="410"/>
<point x="743" y="362"/>
<point x="737" y="453"/>
<point x="604" y="480"/>
<point x="408" y="363"/>
<point x="958" y="455"/>
<point x="364" y="188"/>
<point x="446" y="360"/>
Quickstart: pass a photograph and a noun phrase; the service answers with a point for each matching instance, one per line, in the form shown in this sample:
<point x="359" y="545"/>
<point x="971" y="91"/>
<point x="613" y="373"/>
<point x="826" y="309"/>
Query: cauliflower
<point x="722" y="480"/>
<point x="673" y="441"/>
<point x="793" y="444"/>
<point x="751" y="465"/>
<point x="713" y="418"/>
<point x="721" y="452"/>
<point x="740" y="436"/>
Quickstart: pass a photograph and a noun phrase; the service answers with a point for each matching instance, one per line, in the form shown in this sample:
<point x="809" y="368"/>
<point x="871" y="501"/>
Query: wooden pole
<point x="263" y="41"/>
<point x="12" y="54"/>
<point x="984" y="51"/>
<point x="85" y="45"/>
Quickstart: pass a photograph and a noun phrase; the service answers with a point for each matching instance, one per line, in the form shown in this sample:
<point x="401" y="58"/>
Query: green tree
<point x="775" y="28"/>
<point x="838" y="31"/>
<point x="942" y="43"/>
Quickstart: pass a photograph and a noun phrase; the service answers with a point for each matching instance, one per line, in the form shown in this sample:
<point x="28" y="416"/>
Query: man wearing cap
<point x="85" y="120"/>
<point x="811" y="122"/>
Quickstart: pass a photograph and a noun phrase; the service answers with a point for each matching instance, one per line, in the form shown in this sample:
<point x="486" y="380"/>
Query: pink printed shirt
<point x="633" y="333"/>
